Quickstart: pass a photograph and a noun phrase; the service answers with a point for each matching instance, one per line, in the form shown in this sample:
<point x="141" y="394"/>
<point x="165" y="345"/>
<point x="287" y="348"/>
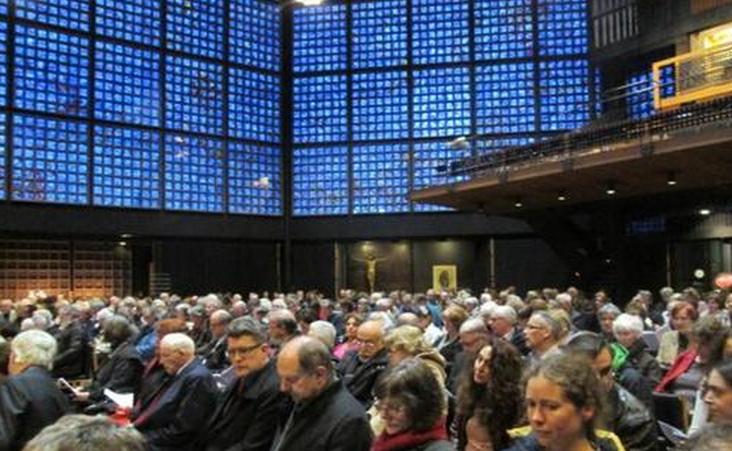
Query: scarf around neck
<point x="410" y="439"/>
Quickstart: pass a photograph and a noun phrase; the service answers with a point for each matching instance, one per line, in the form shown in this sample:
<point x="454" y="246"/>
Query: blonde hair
<point x="408" y="339"/>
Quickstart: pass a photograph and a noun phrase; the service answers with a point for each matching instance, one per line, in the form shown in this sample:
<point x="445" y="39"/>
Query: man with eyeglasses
<point x="246" y="413"/>
<point x="629" y="418"/>
<point x="324" y="416"/>
<point x="360" y="369"/>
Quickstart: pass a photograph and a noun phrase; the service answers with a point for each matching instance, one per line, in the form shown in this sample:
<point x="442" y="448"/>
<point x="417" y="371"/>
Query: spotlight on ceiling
<point x="518" y="203"/>
<point x="610" y="190"/>
<point x="705" y="212"/>
<point x="671" y="179"/>
<point x="562" y="196"/>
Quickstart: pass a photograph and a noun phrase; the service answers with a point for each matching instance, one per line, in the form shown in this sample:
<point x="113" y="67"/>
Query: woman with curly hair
<point x="489" y="398"/>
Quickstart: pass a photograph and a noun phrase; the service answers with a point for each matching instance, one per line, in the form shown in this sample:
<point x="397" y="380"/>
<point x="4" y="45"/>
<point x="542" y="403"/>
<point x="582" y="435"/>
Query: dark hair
<point x="169" y="326"/>
<point x="245" y="327"/>
<point x="287" y="322"/>
<point x="117" y="329"/>
<point x="357" y="316"/>
<point x="574" y="374"/>
<point x="311" y="354"/>
<point x="710" y="333"/>
<point x="86" y="433"/>
<point x="724" y="368"/>
<point x="498" y="403"/>
<point x="306" y="315"/>
<point x="588" y="344"/>
<point x="415" y="386"/>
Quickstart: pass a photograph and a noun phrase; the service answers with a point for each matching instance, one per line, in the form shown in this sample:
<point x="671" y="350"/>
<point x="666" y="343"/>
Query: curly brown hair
<point x="498" y="405"/>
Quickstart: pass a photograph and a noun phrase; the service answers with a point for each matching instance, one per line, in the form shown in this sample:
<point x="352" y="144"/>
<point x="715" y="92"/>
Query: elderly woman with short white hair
<point x="628" y="330"/>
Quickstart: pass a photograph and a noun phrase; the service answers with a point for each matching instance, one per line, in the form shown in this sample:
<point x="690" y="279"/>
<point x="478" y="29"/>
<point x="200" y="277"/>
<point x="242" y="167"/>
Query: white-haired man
<point x="172" y="417"/>
<point x="502" y="322"/>
<point x="29" y="399"/>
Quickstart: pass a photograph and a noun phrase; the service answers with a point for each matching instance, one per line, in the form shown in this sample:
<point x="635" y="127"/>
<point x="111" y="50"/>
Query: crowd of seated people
<point x="552" y="370"/>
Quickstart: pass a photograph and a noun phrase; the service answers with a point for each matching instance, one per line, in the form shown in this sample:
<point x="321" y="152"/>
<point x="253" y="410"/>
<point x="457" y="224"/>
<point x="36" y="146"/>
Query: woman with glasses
<point x="413" y="415"/>
<point x="564" y="401"/>
<point x="489" y="398"/>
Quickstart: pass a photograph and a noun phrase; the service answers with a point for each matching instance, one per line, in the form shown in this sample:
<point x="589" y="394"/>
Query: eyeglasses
<point x="392" y="408"/>
<point x="241" y="352"/>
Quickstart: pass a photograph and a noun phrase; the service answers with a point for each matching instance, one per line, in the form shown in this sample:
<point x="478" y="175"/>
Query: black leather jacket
<point x="632" y="421"/>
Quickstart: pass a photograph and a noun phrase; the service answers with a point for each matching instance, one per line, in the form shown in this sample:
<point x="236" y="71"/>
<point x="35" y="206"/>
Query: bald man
<point x="171" y="419"/>
<point x="324" y="417"/>
<point x="360" y="369"/>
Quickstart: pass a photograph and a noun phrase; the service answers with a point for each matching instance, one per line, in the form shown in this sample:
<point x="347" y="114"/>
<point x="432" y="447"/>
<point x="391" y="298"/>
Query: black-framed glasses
<point x="241" y="352"/>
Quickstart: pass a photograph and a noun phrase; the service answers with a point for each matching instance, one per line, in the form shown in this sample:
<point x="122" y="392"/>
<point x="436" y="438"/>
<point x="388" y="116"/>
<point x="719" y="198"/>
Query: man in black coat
<point x="71" y="358"/>
<point x="29" y="398"/>
<point x="360" y="369"/>
<point x="213" y="353"/>
<point x="171" y="418"/>
<point x="324" y="417"/>
<point x="246" y="414"/>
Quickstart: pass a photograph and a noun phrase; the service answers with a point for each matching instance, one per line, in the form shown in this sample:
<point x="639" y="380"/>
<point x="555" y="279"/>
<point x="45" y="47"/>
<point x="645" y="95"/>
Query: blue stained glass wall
<point x="3" y="58"/>
<point x="380" y="105"/>
<point x="319" y="41"/>
<point x="562" y="27"/>
<point x="440" y="31"/>
<point x="51" y="73"/>
<point x="441" y="102"/>
<point x="50" y="162"/>
<point x="194" y="173"/>
<point x="505" y="98"/>
<point x="254" y="107"/>
<point x="126" y="84"/>
<point x="254" y="179"/>
<point x="565" y="94"/>
<point x="379" y="35"/>
<point x="132" y="20"/>
<point x="380" y="178"/>
<point x="320" y="181"/>
<point x="254" y="33"/>
<point x="503" y="29"/>
<point x="640" y="95"/>
<point x="196" y="26"/>
<point x="126" y="163"/>
<point x="73" y="14"/>
<point x="430" y="161"/>
<point x="194" y="95"/>
<point x="320" y="109"/>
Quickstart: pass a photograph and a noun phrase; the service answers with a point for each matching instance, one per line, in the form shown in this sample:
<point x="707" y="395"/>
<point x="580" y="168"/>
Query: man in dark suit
<point x="246" y="414"/>
<point x="503" y="325"/>
<point x="29" y="398"/>
<point x="213" y="353"/>
<point x="171" y="418"/>
<point x="324" y="415"/>
<point x="360" y="369"/>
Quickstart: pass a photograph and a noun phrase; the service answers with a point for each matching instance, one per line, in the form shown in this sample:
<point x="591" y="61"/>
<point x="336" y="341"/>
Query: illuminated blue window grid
<point x="380" y="178"/>
<point x="505" y="98"/>
<point x="4" y="8"/>
<point x="2" y="156"/>
<point x="254" y="105"/>
<point x="126" y="163"/>
<point x="380" y="105"/>
<point x="319" y="41"/>
<point x="194" y="173"/>
<point x="427" y="158"/>
<point x="379" y="34"/>
<point x="503" y="29"/>
<point x="320" y="181"/>
<point x="194" y="100"/>
<point x="668" y="81"/>
<point x="126" y="84"/>
<point x="441" y="102"/>
<point x="49" y="160"/>
<point x="248" y="165"/>
<point x="72" y="14"/>
<point x="440" y="31"/>
<point x="320" y="109"/>
<point x="640" y="95"/>
<point x="196" y="26"/>
<point x="254" y="31"/>
<point x="132" y="20"/>
<point x="565" y="94"/>
<point x="3" y="52"/>
<point x="562" y="27"/>
<point x="51" y="71"/>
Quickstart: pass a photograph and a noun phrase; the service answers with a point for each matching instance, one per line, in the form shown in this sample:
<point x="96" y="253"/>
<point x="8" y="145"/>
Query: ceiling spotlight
<point x="671" y="179"/>
<point x="705" y="212"/>
<point x="518" y="203"/>
<point x="562" y="196"/>
<point x="122" y="243"/>
<point x="610" y="190"/>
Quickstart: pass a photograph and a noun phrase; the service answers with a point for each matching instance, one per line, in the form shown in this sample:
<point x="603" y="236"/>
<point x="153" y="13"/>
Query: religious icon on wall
<point x="444" y="277"/>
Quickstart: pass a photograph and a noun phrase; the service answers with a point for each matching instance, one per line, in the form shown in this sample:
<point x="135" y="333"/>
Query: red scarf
<point x="410" y="439"/>
<point x="683" y="362"/>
